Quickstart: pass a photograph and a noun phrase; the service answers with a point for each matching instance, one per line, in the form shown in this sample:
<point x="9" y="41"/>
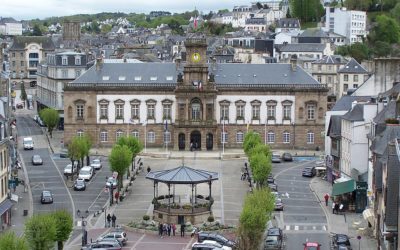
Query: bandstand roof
<point x="182" y="175"/>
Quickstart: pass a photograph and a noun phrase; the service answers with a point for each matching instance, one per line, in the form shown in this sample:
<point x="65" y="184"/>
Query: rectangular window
<point x="103" y="111"/>
<point x="240" y="112"/>
<point x="77" y="73"/>
<point x="287" y="111"/>
<point x="271" y="137"/>
<point x="79" y="111"/>
<point x="135" y="110"/>
<point x="319" y="79"/>
<point x="119" y="111"/>
<point x="77" y="61"/>
<point x="224" y="112"/>
<point x="256" y="113"/>
<point x="355" y="78"/>
<point x="64" y="61"/>
<point x="345" y="87"/>
<point x="355" y="86"/>
<point x="13" y="63"/>
<point x="239" y="137"/>
<point x="151" y="137"/>
<point x="310" y="138"/>
<point x="346" y="78"/>
<point x="167" y="111"/>
<point x="150" y="111"/>
<point x="311" y="112"/>
<point x="286" y="137"/>
<point x="167" y="137"/>
<point x="64" y="73"/>
<point x="224" y="137"/>
<point x="271" y="109"/>
<point x="22" y="63"/>
<point x="103" y="136"/>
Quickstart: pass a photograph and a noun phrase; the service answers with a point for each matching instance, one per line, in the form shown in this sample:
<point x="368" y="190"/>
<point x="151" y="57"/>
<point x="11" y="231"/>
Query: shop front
<point x="352" y="194"/>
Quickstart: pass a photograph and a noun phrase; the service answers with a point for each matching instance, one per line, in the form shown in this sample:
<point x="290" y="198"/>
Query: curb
<point x="322" y="206"/>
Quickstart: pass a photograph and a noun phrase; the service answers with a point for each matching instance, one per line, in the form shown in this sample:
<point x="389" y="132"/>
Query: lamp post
<point x="111" y="189"/>
<point x="83" y="216"/>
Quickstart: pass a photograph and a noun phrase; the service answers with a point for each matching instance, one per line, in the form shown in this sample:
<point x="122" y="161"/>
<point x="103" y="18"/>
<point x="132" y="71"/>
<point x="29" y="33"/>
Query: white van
<point x="86" y="173"/>
<point x="28" y="143"/>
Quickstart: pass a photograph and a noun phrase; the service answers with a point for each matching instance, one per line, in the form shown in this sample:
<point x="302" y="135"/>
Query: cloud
<point x="31" y="9"/>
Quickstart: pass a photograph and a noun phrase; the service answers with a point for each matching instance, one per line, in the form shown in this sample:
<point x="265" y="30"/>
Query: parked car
<point x="46" y="197"/>
<point x="273" y="187"/>
<point x="287" y="157"/>
<point x="274" y="239"/>
<point x="309" y="171"/>
<point x="86" y="173"/>
<point x="79" y="185"/>
<point x="270" y="179"/>
<point x="118" y="235"/>
<point x="212" y="243"/>
<point x="202" y="236"/>
<point x="312" y="246"/>
<point x="20" y="105"/>
<point x="64" y="153"/>
<point x="37" y="160"/>
<point x="96" y="164"/>
<point x="276" y="158"/>
<point x="113" y="181"/>
<point x="341" y="242"/>
<point x="69" y="170"/>
<point x="203" y="246"/>
<point x="109" y="245"/>
<point x="278" y="204"/>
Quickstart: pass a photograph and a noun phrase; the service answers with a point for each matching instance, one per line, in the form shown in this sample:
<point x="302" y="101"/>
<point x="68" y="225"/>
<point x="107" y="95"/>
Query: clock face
<point x="196" y="57"/>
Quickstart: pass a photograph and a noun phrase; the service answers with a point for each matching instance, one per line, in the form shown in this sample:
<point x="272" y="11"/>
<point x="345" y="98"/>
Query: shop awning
<point x="5" y="206"/>
<point x="343" y="187"/>
<point x="369" y="216"/>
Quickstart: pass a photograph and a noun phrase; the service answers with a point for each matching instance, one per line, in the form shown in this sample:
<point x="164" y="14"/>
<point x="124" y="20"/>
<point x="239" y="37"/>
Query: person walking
<point x="113" y="219"/>
<point x="326" y="197"/>
<point x="337" y="208"/>
<point x="173" y="229"/>
<point x="160" y="230"/>
<point x="148" y="169"/>
<point x="182" y="230"/>
<point x="108" y="220"/>
<point x="169" y="228"/>
<point x="333" y="207"/>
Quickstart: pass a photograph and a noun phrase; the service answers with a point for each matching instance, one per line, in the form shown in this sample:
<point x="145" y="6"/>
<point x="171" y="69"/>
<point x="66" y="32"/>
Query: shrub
<point x="187" y="206"/>
<point x="146" y="217"/>
<point x="210" y="218"/>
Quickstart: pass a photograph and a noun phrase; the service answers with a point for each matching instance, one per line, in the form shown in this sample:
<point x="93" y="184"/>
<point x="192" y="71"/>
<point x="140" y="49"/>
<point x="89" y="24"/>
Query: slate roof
<point x="182" y="175"/>
<point x="335" y="126"/>
<point x="303" y="47"/>
<point x="392" y="187"/>
<point x="314" y="32"/>
<point x="20" y="42"/>
<point x="255" y="21"/>
<point x="380" y="142"/>
<point x="4" y="20"/>
<point x="355" y="114"/>
<point x="391" y="92"/>
<point x="285" y="22"/>
<point x="389" y="111"/>
<point x="344" y="103"/>
<point x="229" y="74"/>
<point x="353" y="67"/>
<point x="334" y="59"/>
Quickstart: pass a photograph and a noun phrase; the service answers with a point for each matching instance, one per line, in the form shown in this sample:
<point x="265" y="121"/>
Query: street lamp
<point x="83" y="215"/>
<point x="111" y="191"/>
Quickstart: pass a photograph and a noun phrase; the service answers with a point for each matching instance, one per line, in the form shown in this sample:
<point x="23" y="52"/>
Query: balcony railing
<point x="195" y="123"/>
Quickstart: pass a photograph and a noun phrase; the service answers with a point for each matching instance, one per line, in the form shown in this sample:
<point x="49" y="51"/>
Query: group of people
<point x="165" y="229"/>
<point x="337" y="207"/>
<point x="111" y="220"/>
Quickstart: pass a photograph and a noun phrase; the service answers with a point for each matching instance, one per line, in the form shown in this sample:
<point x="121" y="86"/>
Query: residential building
<point x="210" y="106"/>
<point x="285" y="37"/>
<point x="313" y="51"/>
<point x="351" y="76"/>
<point x="255" y="24"/>
<point x="287" y="25"/>
<point x="349" y="23"/>
<point x="52" y="76"/>
<point x="10" y="27"/>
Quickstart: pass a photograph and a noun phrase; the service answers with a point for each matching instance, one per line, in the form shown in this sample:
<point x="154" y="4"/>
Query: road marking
<point x="296" y="228"/>
<point x="137" y="242"/>
<point x="287" y="227"/>
<point x="189" y="244"/>
<point x="314" y="228"/>
<point x="324" y="228"/>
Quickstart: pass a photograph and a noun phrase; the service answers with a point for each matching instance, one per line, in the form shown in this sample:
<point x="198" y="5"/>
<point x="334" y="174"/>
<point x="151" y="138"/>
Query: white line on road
<point x="296" y="228"/>
<point x="287" y="227"/>
<point x="137" y="242"/>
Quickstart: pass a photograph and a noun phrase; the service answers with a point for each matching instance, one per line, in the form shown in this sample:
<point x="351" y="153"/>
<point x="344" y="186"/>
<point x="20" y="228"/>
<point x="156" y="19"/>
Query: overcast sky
<point x="30" y="9"/>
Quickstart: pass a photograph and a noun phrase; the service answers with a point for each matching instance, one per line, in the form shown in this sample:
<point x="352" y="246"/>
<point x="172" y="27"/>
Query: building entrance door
<point x="195" y="139"/>
<point x="209" y="141"/>
<point x="181" y="141"/>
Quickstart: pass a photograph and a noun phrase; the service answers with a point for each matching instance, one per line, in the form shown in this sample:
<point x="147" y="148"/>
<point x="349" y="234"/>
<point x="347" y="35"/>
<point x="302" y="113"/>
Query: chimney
<point x="99" y="63"/>
<point x="293" y="62"/>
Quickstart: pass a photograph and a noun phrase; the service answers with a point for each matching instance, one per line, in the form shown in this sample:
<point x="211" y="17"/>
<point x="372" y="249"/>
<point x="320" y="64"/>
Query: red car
<point x="312" y="246"/>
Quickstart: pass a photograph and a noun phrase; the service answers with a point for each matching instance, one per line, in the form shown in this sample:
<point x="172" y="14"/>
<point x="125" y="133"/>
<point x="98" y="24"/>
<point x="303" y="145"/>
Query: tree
<point x="10" y="241"/>
<point x="259" y="5"/>
<point x="76" y="150"/>
<point x="396" y="12"/>
<point x="382" y="49"/>
<point x="386" y="30"/>
<point x="250" y="141"/>
<point x="40" y="232"/>
<point x="261" y="167"/>
<point x="307" y="10"/>
<point x="36" y="30"/>
<point x="50" y="118"/>
<point x="23" y="95"/>
<point x="95" y="27"/>
<point x="257" y="210"/>
<point x="120" y="159"/>
<point x="64" y="226"/>
<point x="288" y="13"/>
<point x="359" y="51"/>
<point x="105" y="28"/>
<point x="134" y="145"/>
<point x="358" y="4"/>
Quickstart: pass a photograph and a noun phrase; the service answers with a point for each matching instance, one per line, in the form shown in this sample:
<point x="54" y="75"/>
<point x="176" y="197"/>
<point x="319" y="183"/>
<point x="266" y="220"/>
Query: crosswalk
<point x="305" y="228"/>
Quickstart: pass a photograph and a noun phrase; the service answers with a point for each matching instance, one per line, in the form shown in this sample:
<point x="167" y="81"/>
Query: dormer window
<point x="106" y="78"/>
<point x="122" y="78"/>
<point x="153" y="78"/>
<point x="64" y="60"/>
<point x="138" y="78"/>
<point x="169" y="78"/>
<point x="77" y="60"/>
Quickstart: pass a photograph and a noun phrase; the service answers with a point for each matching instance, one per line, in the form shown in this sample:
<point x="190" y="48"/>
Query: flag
<point x="195" y="22"/>
<point x="166" y="125"/>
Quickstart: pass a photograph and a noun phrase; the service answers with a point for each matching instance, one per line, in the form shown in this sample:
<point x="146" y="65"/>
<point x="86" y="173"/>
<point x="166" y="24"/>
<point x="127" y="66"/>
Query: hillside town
<point x="137" y="127"/>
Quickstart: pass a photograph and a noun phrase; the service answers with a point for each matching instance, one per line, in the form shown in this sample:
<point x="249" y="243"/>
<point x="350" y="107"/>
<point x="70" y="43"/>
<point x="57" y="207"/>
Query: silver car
<point x="37" y="160"/>
<point x="96" y="164"/>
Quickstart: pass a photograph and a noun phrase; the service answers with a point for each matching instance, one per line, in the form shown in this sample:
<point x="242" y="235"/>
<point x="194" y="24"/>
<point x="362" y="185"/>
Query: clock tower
<point x="195" y="93"/>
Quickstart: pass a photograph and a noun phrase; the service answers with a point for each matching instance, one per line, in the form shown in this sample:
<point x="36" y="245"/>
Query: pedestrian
<point x="182" y="230"/>
<point x="242" y="176"/>
<point x="326" y="197"/>
<point x="191" y="146"/>
<point x="333" y="207"/>
<point x="113" y="219"/>
<point x="160" y="230"/>
<point x="341" y="208"/>
<point x="116" y="195"/>
<point x="337" y="208"/>
<point x="169" y="229"/>
<point x="108" y="220"/>
<point x="173" y="229"/>
<point x="148" y="169"/>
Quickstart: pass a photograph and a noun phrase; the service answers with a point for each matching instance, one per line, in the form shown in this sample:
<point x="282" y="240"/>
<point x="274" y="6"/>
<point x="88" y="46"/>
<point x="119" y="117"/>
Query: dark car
<point x="273" y="187"/>
<point x="79" y="185"/>
<point x="202" y="236"/>
<point x="270" y="179"/>
<point x="287" y="157"/>
<point x="309" y="172"/>
<point x="37" y="160"/>
<point x="46" y="197"/>
<point x="278" y="204"/>
<point x="274" y="239"/>
<point x="64" y="153"/>
<point x="341" y="242"/>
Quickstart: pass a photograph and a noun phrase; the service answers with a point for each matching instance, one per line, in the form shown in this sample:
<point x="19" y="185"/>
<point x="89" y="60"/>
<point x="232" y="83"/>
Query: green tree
<point x="36" y="30"/>
<point x="120" y="159"/>
<point x="76" y="150"/>
<point x="95" y="27"/>
<point x="359" y="51"/>
<point x="257" y="210"/>
<point x="396" y="12"/>
<point x="105" y="28"/>
<point x="261" y="167"/>
<point x="64" y="226"/>
<point x="386" y="30"/>
<point x="307" y="10"/>
<point x="382" y="49"/>
<point x="40" y="232"/>
<point x="134" y="145"/>
<point x="10" y="241"/>
<point x="50" y="118"/>
<point x="23" y="95"/>
<point x="250" y="141"/>
<point x="358" y="4"/>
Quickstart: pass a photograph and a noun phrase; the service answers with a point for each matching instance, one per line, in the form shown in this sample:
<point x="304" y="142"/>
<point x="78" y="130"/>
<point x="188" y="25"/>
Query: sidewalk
<point x="347" y="223"/>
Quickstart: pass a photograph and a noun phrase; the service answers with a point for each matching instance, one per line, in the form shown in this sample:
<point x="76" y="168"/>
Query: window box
<point x="119" y="117"/>
<point x="240" y="118"/>
<point x="286" y="118"/>
<point x="271" y="118"/>
<point x="103" y="117"/>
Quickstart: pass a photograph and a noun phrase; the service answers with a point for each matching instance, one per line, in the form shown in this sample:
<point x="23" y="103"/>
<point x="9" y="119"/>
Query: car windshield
<point x="84" y="172"/>
<point x="111" y="179"/>
<point x="80" y="182"/>
<point x="96" y="161"/>
<point x="46" y="193"/>
<point x="271" y="239"/>
<point x="36" y="157"/>
<point x="69" y="166"/>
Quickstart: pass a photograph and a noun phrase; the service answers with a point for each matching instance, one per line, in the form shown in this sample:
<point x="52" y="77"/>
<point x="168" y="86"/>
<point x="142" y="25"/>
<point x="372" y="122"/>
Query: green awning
<point x="343" y="187"/>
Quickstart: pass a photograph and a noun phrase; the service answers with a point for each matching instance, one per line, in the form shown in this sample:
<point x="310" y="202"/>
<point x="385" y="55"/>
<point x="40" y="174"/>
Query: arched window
<point x="135" y="134"/>
<point x="119" y="134"/>
<point x="196" y="109"/>
<point x="104" y="136"/>
<point x="271" y="137"/>
<point x="80" y="133"/>
<point x="239" y="137"/>
<point x="310" y="137"/>
<point x="286" y="137"/>
<point x="151" y="136"/>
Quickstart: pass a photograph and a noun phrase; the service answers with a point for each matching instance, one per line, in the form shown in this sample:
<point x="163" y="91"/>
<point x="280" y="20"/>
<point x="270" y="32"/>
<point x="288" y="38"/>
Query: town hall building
<point x="198" y="102"/>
